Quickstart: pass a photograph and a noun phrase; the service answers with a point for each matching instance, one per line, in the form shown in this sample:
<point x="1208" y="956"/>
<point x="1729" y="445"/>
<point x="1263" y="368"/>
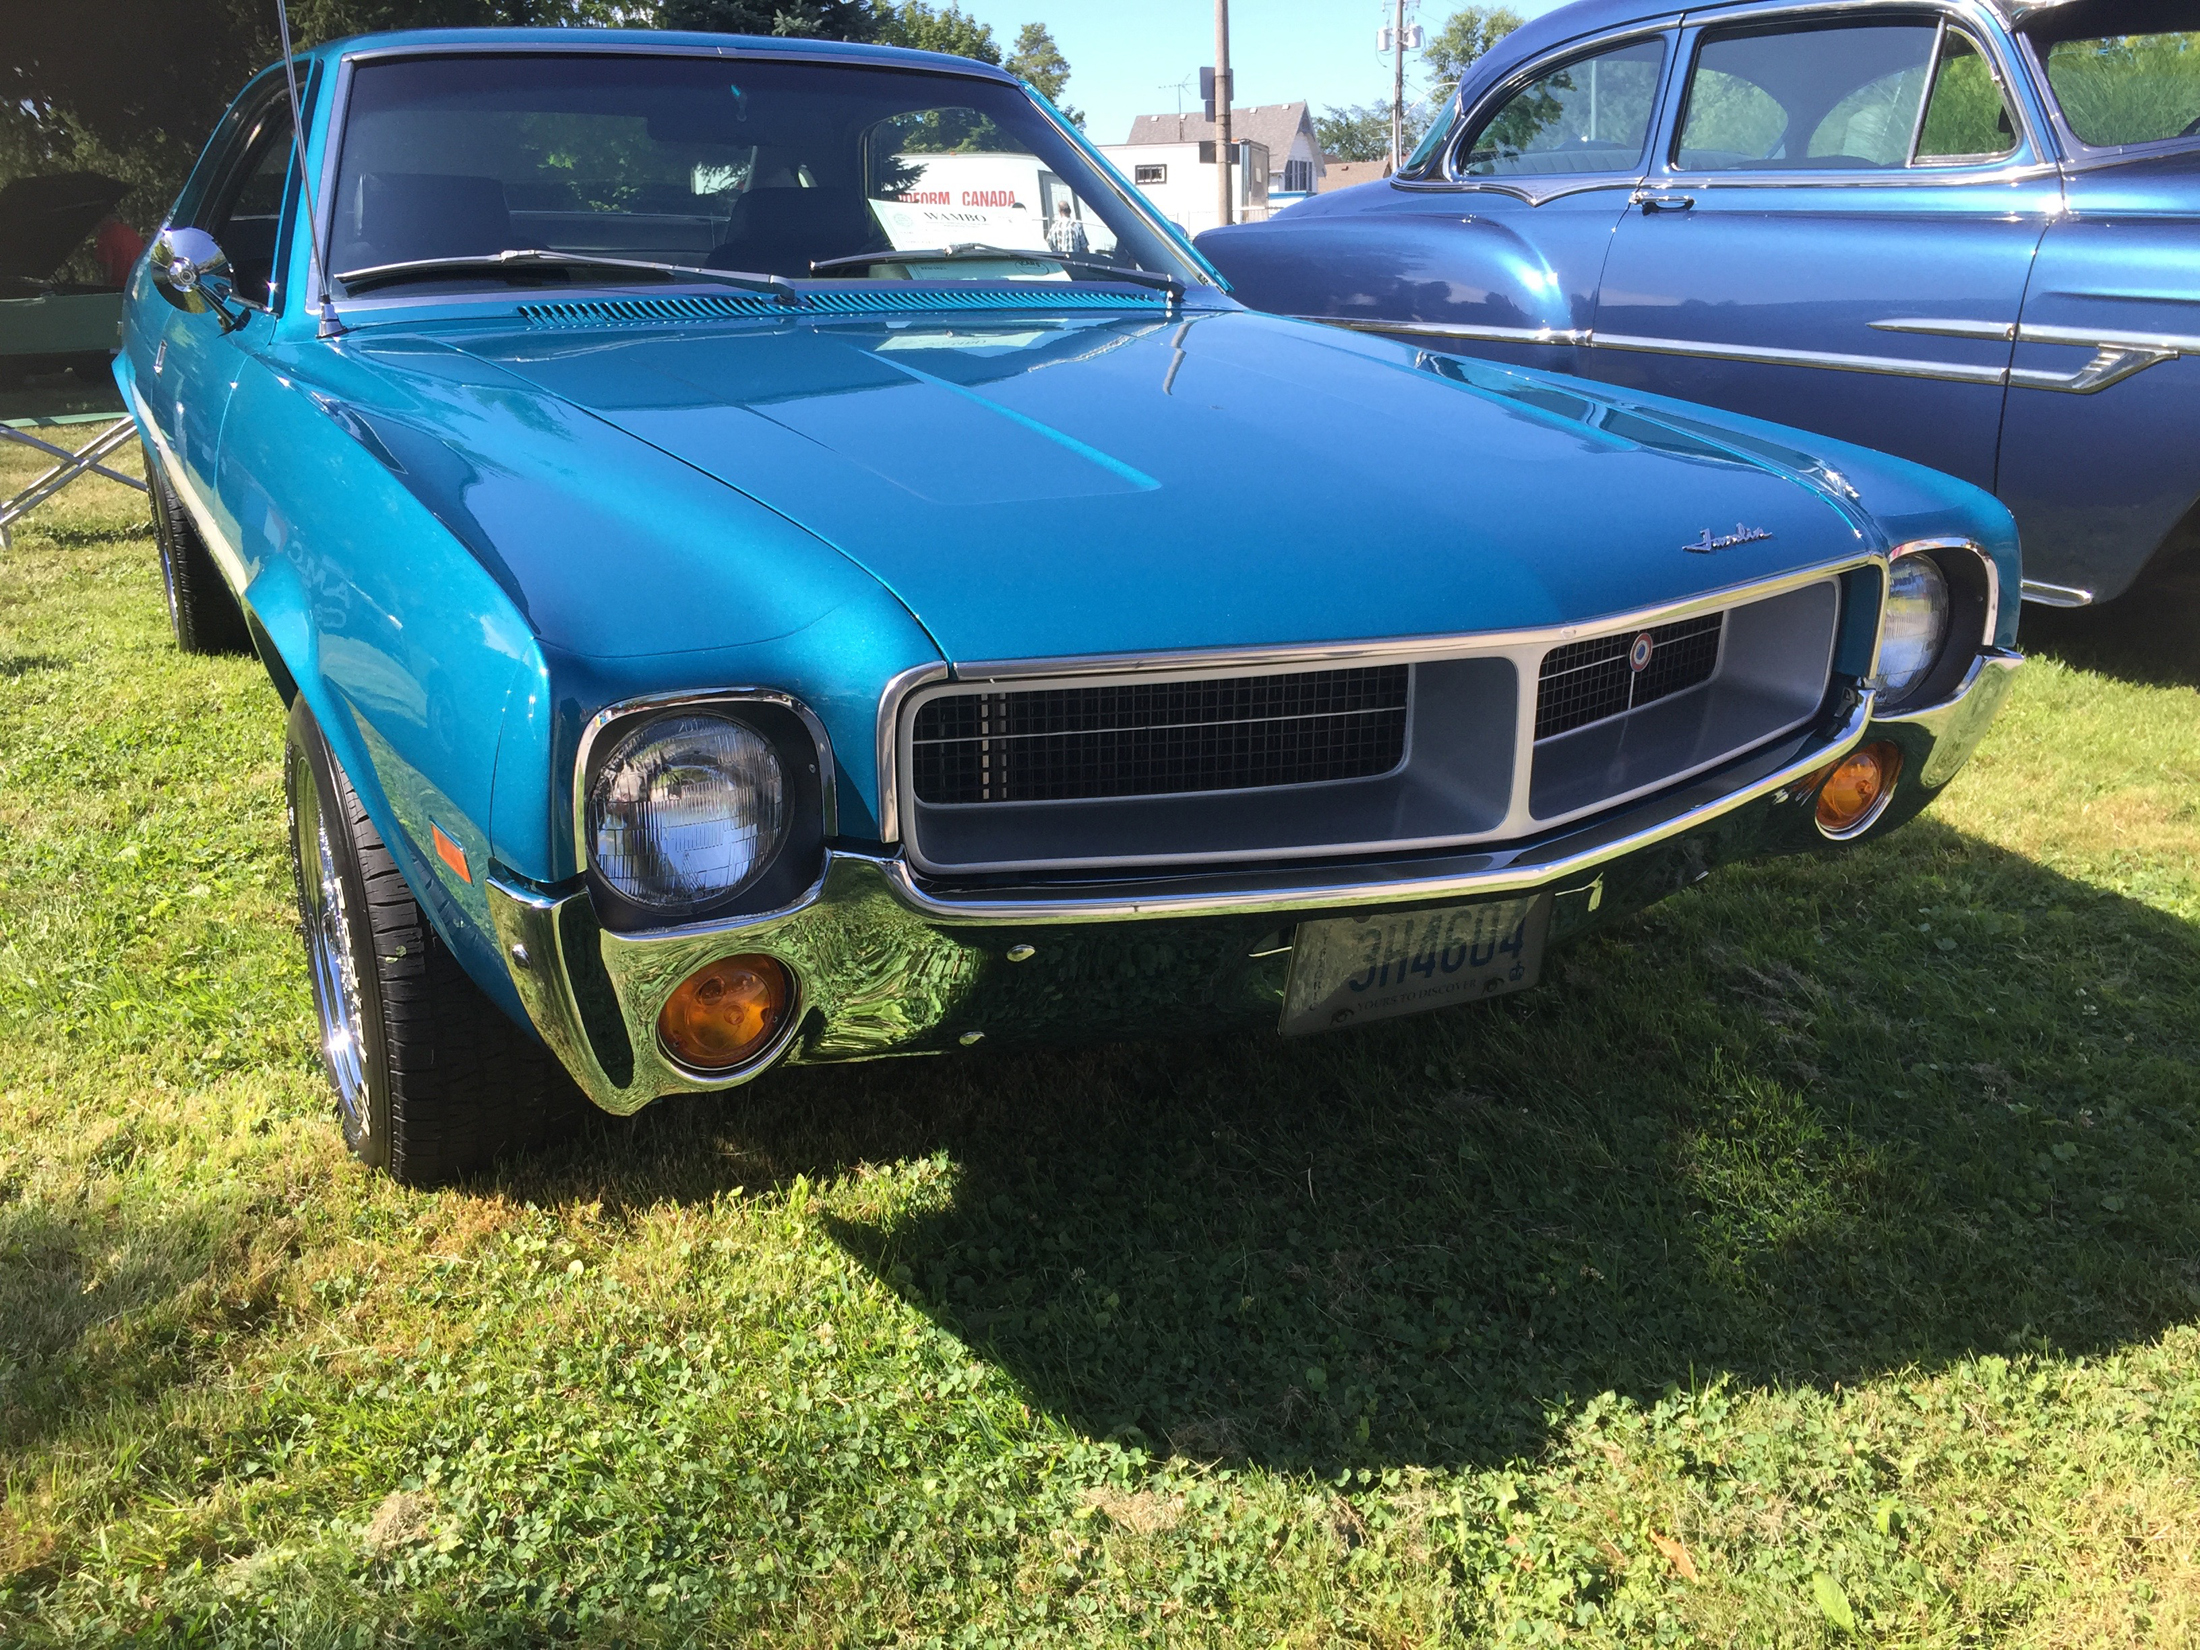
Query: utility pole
<point x="1222" y="111"/>
<point x="1398" y="91"/>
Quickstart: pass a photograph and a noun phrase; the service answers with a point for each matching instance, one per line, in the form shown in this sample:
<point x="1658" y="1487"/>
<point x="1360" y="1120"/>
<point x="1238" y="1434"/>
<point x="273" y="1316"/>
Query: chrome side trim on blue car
<point x="2117" y="356"/>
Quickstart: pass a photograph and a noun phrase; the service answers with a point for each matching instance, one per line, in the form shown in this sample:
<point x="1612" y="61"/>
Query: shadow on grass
<point x="1810" y="1123"/>
<point x="97" y="1302"/>
<point x="2150" y="635"/>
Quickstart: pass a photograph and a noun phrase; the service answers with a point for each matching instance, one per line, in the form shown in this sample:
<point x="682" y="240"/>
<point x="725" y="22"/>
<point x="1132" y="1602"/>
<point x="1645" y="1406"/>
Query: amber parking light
<point x="1858" y="789"/>
<point x="726" y="1012"/>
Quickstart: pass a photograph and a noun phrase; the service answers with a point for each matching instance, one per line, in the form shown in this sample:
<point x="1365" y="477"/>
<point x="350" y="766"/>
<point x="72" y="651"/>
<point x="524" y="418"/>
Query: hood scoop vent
<point x="887" y="298"/>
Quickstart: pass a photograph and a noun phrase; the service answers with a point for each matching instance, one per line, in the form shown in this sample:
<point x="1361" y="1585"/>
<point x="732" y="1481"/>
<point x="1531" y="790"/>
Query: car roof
<point x="1587" y="17"/>
<point x="581" y="39"/>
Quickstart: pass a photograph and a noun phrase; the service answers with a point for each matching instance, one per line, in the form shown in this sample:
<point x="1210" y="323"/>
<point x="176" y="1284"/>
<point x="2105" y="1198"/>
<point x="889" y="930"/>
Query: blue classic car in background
<point x="1967" y="232"/>
<point x="756" y="542"/>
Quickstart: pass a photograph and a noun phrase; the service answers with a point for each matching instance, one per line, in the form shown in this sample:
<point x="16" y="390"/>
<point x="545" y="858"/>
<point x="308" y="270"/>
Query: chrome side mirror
<point x="192" y="273"/>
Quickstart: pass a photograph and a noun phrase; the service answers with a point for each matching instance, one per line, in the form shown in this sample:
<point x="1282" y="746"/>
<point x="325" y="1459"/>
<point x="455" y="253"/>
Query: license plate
<point x="1350" y="970"/>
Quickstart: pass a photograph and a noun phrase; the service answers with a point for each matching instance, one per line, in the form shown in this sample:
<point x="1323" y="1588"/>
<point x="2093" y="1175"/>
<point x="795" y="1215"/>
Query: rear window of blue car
<point x="2136" y="85"/>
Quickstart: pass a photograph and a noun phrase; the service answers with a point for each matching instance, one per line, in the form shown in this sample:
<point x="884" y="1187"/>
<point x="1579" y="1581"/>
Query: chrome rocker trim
<point x="888" y="964"/>
<point x="2042" y="594"/>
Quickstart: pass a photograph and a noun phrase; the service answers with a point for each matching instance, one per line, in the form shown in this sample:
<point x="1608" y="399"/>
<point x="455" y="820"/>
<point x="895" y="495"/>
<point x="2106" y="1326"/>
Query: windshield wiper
<point x="429" y="269"/>
<point x="976" y="252"/>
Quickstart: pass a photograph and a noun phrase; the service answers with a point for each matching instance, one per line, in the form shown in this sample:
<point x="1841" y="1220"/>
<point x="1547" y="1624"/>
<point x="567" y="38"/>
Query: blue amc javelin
<point x="774" y="553"/>
<point x="1964" y="231"/>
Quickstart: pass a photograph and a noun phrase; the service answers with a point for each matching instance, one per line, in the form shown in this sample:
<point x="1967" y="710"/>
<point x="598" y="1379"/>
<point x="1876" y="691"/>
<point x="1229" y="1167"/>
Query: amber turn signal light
<point x="726" y="1012"/>
<point x="1858" y="788"/>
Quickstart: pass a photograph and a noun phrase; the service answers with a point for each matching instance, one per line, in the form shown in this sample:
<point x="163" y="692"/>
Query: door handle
<point x="1651" y="201"/>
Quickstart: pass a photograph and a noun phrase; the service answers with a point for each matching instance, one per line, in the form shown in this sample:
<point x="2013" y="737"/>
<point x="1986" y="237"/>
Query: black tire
<point x="432" y="1080"/>
<point x="201" y="611"/>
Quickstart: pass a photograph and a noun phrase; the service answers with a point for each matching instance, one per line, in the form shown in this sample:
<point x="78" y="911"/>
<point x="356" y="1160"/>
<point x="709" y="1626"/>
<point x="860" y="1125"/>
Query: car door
<point x="1540" y="173"/>
<point x="194" y="360"/>
<point x="1496" y="248"/>
<point x="1836" y="234"/>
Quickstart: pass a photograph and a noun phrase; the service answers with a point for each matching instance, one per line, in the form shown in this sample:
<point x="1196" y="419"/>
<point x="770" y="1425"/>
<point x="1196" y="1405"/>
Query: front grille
<point x="1592" y="681"/>
<point x="1160" y="738"/>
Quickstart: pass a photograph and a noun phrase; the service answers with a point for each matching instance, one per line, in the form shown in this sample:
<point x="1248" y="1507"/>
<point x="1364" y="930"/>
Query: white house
<point x="1179" y="178"/>
<point x="1285" y="130"/>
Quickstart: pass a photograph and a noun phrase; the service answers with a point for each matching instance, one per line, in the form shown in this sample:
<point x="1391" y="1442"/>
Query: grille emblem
<point x="1726" y="541"/>
<point x="1638" y="656"/>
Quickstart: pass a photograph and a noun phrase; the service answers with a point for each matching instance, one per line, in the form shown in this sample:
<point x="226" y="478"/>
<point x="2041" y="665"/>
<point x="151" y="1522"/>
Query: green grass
<point x="1815" y="1257"/>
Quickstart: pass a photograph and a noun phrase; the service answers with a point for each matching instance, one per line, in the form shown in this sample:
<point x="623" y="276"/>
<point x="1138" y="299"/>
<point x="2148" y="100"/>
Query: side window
<point x="1966" y="117"/>
<point x="1829" y="98"/>
<point x="1593" y="115"/>
<point x="246" y="207"/>
<point x="1842" y="97"/>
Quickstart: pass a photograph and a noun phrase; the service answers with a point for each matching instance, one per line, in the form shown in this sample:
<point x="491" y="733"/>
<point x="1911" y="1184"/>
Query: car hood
<point x="1062" y="485"/>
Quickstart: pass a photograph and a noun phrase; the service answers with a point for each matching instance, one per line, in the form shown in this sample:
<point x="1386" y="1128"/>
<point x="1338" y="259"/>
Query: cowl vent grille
<point x="890" y="298"/>
<point x="612" y="312"/>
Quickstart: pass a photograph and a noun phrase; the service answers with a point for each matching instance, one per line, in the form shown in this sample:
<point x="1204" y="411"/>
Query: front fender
<point x="1411" y="264"/>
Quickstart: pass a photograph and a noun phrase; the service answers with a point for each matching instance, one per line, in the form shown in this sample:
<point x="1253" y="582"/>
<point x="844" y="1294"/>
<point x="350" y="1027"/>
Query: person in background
<point x="117" y="246"/>
<point x="1066" y="234"/>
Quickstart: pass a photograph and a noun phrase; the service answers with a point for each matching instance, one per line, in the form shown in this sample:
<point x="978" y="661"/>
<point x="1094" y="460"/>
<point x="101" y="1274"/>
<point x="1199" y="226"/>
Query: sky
<point x="1126" y="56"/>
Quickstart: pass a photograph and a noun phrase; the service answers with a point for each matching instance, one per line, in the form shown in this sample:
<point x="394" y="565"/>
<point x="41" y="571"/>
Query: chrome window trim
<point x="2079" y="155"/>
<point x="1665" y="31"/>
<point x="2028" y="155"/>
<point x="1524" y="647"/>
<point x="659" y="704"/>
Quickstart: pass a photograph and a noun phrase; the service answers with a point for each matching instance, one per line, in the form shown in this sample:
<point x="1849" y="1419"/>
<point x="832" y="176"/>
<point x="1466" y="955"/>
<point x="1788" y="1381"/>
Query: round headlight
<point x="1917" y="624"/>
<point x="686" y="809"/>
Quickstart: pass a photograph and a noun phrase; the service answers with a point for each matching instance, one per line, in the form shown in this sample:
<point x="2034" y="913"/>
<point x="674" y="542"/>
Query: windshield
<point x="2124" y="72"/>
<point x="720" y="162"/>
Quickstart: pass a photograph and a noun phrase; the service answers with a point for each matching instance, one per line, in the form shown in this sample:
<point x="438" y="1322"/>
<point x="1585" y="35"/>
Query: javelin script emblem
<point x="1741" y="535"/>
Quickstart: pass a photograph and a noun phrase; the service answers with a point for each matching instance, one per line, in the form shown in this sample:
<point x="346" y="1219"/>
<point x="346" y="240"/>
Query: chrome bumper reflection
<point x="889" y="965"/>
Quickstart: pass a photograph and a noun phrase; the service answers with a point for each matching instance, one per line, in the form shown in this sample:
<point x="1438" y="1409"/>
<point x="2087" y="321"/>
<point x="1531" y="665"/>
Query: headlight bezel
<point x="1974" y="613"/>
<point x="804" y="753"/>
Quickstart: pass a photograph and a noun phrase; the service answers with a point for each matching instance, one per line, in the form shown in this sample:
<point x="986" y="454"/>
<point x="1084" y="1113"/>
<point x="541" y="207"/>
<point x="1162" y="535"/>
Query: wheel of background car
<point x="431" y="1079"/>
<point x="201" y="611"/>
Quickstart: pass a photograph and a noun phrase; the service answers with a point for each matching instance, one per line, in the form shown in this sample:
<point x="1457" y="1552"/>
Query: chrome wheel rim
<point x="168" y="583"/>
<point x="329" y="957"/>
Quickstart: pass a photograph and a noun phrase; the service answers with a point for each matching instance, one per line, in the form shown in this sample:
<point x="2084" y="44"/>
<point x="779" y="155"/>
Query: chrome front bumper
<point x="887" y="964"/>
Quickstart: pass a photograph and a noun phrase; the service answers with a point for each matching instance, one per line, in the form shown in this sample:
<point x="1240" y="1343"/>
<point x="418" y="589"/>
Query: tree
<point x="952" y="30"/>
<point x="1470" y="32"/>
<point x="1361" y="131"/>
<point x="809" y="19"/>
<point x="1039" y="60"/>
<point x="70" y="98"/>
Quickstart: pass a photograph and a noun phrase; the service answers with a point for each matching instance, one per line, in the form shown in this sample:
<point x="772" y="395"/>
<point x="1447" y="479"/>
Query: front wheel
<point x="431" y="1079"/>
